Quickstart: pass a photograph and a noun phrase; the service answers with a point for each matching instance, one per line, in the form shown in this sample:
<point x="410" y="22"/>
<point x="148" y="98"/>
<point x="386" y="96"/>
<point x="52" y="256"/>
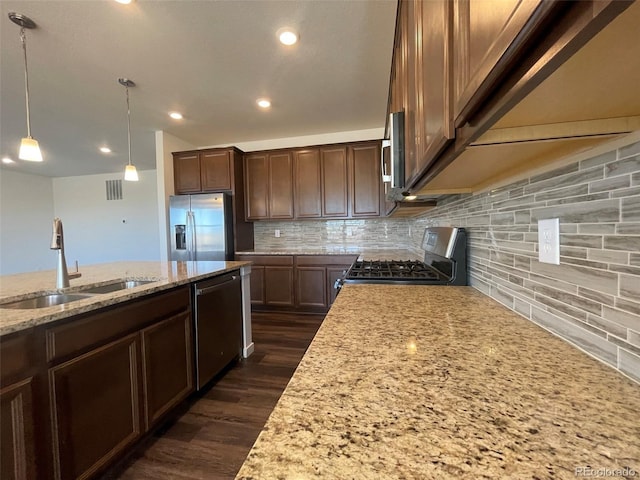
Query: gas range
<point x="445" y="263"/>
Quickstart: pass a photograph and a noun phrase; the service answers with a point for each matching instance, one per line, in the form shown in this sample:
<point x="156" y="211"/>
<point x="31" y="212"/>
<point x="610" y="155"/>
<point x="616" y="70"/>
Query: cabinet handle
<point x="204" y="291"/>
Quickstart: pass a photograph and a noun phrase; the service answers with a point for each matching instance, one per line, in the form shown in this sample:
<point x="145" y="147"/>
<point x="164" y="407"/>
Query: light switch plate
<point x="549" y="241"/>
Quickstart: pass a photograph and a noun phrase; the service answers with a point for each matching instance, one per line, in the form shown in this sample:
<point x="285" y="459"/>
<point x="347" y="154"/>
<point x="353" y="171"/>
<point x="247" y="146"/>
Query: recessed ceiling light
<point x="124" y="2"/>
<point x="287" y="36"/>
<point x="105" y="149"/>
<point x="263" y="103"/>
<point x="7" y="160"/>
<point x="176" y="115"/>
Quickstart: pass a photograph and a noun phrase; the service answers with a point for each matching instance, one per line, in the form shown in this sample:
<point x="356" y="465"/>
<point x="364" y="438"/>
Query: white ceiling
<point x="208" y="59"/>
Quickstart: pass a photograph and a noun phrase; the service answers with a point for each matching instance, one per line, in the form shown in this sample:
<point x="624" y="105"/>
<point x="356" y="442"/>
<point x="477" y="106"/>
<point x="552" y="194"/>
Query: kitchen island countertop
<point x="439" y="382"/>
<point x="163" y="275"/>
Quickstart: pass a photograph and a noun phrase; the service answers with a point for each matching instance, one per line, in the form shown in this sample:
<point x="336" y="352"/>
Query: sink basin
<point x="45" y="301"/>
<point x="114" y="287"/>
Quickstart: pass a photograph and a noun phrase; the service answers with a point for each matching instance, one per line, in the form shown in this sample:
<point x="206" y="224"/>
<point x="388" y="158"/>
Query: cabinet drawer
<point x="267" y="259"/>
<point x="18" y="356"/>
<point x="325" y="259"/>
<point x="95" y="328"/>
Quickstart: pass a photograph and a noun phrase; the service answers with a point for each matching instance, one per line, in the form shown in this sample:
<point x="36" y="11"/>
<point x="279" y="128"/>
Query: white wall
<point x="26" y="219"/>
<point x="307" y="140"/>
<point x="166" y="144"/>
<point x="97" y="230"/>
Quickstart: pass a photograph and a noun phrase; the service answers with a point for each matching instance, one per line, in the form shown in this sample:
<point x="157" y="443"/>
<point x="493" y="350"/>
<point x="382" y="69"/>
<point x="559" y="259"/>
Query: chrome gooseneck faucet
<point x="57" y="243"/>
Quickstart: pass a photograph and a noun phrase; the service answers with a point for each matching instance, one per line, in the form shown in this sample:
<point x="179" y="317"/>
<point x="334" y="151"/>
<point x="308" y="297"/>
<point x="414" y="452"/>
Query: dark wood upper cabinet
<point x="269" y="185"/>
<point x="334" y="170"/>
<point x="206" y="171"/>
<point x="487" y="37"/>
<point x="308" y="183"/>
<point x="433" y="78"/>
<point x="216" y="170"/>
<point x="281" y="185"/>
<point x="365" y="179"/>
<point x="256" y="185"/>
<point x="327" y="181"/>
<point x="186" y="172"/>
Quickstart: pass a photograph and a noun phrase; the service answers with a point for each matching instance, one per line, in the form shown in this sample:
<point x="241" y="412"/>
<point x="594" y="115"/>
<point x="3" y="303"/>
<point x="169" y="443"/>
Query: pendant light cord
<point x="129" y="125"/>
<point x="23" y="38"/>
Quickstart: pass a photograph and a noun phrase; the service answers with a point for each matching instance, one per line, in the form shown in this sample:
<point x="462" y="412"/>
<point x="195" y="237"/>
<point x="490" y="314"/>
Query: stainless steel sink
<point x="43" y="301"/>
<point x="114" y="287"/>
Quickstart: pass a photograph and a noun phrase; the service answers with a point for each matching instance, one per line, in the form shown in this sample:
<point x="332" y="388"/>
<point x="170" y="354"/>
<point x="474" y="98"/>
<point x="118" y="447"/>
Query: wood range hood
<point x="590" y="104"/>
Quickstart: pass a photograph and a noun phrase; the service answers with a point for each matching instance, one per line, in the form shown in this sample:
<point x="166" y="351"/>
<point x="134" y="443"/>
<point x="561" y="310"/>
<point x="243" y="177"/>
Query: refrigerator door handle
<point x="190" y="234"/>
<point x="193" y="249"/>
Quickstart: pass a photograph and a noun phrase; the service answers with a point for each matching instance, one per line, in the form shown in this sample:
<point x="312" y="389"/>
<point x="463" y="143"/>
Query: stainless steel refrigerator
<point x="200" y="227"/>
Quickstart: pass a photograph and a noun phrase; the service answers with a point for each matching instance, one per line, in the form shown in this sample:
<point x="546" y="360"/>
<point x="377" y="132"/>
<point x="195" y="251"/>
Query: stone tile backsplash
<point x="592" y="299"/>
<point x="379" y="234"/>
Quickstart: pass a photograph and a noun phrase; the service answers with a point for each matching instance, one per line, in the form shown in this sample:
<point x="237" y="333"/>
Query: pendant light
<point x="130" y="172"/>
<point x="29" y="149"/>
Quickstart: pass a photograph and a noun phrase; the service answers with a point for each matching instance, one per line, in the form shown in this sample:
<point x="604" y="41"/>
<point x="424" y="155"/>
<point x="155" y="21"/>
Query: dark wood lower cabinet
<point x="17" y="440"/>
<point x="95" y="408"/>
<point x="167" y="355"/>
<point x="77" y="394"/>
<point x="311" y="287"/>
<point x="278" y="286"/>
<point x="301" y="283"/>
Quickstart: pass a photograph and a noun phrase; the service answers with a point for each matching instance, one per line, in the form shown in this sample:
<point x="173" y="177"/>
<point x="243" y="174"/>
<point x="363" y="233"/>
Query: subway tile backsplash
<point x="592" y="299"/>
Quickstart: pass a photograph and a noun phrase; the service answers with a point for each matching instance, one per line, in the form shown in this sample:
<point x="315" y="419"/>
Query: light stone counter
<point x="165" y="275"/>
<point x="363" y="254"/>
<point x="437" y="382"/>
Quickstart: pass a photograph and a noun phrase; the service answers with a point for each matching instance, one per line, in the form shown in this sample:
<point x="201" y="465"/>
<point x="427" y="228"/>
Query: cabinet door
<point x="434" y="115"/>
<point x="257" y="285"/>
<point x="215" y="171"/>
<point x="95" y="408"/>
<point x="17" y="437"/>
<point x="311" y="283"/>
<point x="278" y="286"/>
<point x="334" y="182"/>
<point x="186" y="173"/>
<point x="408" y="40"/>
<point x="484" y="32"/>
<point x="307" y="176"/>
<point x="366" y="180"/>
<point x="256" y="167"/>
<point x="281" y="185"/>
<point x="167" y="365"/>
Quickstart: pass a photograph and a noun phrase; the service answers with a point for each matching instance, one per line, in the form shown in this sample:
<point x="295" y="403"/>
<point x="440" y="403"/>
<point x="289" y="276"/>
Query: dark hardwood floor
<point x="211" y="439"/>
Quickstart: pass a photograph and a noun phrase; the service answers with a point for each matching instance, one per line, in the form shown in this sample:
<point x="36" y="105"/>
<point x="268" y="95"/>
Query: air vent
<point x="114" y="189"/>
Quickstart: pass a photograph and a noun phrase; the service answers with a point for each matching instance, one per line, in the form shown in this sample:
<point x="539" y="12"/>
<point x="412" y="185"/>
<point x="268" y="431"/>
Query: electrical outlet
<point x="549" y="241"/>
<point x="349" y="232"/>
<point x="277" y="232"/>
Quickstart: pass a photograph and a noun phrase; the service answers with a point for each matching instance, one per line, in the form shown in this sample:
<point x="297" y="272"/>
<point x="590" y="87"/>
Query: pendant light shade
<point x="130" y="172"/>
<point x="29" y="148"/>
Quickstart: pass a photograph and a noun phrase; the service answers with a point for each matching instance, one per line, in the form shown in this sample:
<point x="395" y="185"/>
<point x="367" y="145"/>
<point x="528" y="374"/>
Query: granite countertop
<point x="363" y="254"/>
<point x="439" y="382"/>
<point x="164" y="275"/>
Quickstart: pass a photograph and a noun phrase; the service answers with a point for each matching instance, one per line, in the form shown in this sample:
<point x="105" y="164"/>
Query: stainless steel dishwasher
<point x="218" y="324"/>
